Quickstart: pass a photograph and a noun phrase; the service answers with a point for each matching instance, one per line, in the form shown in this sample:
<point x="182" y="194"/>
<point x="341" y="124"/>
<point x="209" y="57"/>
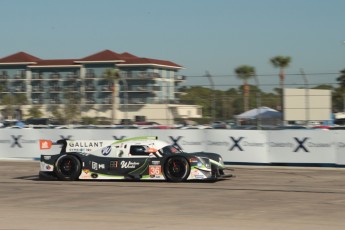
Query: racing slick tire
<point x="176" y="169"/>
<point x="68" y="167"/>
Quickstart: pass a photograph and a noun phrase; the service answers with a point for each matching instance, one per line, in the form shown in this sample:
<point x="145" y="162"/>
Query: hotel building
<point x="147" y="89"/>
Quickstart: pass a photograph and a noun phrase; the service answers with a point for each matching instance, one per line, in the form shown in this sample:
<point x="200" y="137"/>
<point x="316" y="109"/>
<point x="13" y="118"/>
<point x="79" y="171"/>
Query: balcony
<point x="90" y="101"/>
<point x="180" y="78"/>
<point x="19" y="89"/>
<point x="106" y="88"/>
<point x="3" y="77"/>
<point x="90" y="88"/>
<point x="135" y="101"/>
<point x="54" y="101"/>
<point x="36" y="76"/>
<point x="38" y="88"/>
<point x="54" y="76"/>
<point x="72" y="88"/>
<point x="106" y="101"/>
<point x="140" y="75"/>
<point x="37" y="101"/>
<point x="55" y="89"/>
<point x="20" y="76"/>
<point x="90" y="75"/>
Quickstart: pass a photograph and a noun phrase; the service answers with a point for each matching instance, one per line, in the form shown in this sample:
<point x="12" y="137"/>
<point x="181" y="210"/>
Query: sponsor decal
<point x="175" y="140"/>
<point x="47" y="158"/>
<point x="129" y="164"/>
<point x="199" y="176"/>
<point x="114" y="164"/>
<point x="119" y="138"/>
<point x="194" y="172"/>
<point x="85" y="144"/>
<point x="45" y="144"/>
<point x="66" y="138"/>
<point x="16" y="141"/>
<point x="156" y="162"/>
<point x="96" y="166"/>
<point x="218" y="143"/>
<point x="236" y="143"/>
<point x="94" y="175"/>
<point x="106" y="150"/>
<point x="239" y="143"/>
<point x="301" y="144"/>
<point x="341" y="145"/>
<point x="155" y="170"/>
<point x="280" y="144"/>
<point x="86" y="171"/>
<point x="151" y="150"/>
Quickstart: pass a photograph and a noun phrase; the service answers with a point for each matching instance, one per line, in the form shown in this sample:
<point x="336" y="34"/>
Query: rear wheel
<point x="68" y="167"/>
<point x="177" y="169"/>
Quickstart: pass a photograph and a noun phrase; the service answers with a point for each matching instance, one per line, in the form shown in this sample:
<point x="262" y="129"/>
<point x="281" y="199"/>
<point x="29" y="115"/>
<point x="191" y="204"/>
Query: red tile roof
<point x="149" y="61"/>
<point x="54" y="62"/>
<point x="105" y="55"/>
<point x="19" y="57"/>
<point x="127" y="55"/>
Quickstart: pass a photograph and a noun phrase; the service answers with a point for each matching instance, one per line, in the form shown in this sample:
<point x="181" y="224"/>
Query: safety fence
<point x="236" y="146"/>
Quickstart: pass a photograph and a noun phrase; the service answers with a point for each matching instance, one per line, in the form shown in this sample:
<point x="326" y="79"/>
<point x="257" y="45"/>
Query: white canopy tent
<point x="261" y="112"/>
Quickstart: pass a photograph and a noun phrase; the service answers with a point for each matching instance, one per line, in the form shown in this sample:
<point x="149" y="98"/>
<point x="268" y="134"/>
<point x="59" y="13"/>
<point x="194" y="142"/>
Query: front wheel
<point x="177" y="169"/>
<point x="68" y="168"/>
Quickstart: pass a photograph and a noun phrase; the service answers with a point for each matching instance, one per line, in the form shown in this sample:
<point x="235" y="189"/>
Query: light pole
<point x="306" y="96"/>
<point x="258" y="101"/>
<point x="126" y="96"/>
<point x="213" y="101"/>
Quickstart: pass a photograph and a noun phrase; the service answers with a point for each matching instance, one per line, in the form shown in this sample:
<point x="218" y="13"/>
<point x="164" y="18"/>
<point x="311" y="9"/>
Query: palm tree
<point x="112" y="75"/>
<point x="245" y="72"/>
<point x="341" y="78"/>
<point x="281" y="62"/>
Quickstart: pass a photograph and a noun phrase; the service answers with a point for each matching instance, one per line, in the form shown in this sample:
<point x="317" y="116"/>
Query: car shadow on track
<point x="36" y="178"/>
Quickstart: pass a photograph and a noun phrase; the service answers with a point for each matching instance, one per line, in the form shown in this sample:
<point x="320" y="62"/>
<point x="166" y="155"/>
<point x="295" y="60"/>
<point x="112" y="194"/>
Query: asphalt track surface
<point x="257" y="198"/>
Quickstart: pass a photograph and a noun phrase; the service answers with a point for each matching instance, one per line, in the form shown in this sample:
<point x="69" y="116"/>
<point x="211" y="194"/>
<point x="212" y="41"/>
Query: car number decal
<point x="155" y="170"/>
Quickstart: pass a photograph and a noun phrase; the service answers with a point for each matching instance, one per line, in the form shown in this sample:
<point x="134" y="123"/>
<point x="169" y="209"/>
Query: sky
<point x="215" y="36"/>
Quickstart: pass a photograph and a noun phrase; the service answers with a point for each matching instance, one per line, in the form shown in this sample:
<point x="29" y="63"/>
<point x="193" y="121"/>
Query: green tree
<point x="341" y="78"/>
<point x="57" y="114"/>
<point x="338" y="97"/>
<point x="112" y="75"/>
<point x="8" y="101"/>
<point x="72" y="106"/>
<point x="35" y="112"/>
<point x="12" y="102"/>
<point x="245" y="72"/>
<point x="198" y="95"/>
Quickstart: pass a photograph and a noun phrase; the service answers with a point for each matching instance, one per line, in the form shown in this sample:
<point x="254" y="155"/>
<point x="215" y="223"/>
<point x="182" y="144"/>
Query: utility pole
<point x="213" y="98"/>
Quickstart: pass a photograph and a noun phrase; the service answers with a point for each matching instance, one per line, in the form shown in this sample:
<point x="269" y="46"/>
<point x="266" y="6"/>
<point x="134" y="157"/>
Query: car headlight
<point x="221" y="161"/>
<point x="205" y="162"/>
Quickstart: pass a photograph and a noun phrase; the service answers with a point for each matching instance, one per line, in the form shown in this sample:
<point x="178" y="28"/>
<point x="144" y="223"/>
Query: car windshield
<point x="170" y="149"/>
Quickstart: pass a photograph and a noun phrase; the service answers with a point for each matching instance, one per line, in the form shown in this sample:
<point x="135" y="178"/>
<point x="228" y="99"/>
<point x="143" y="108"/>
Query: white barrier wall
<point x="235" y="146"/>
<point x="238" y="145"/>
<point x="308" y="146"/>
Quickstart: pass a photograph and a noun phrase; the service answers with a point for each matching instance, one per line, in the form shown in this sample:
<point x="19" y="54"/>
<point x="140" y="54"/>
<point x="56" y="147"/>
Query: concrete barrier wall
<point x="236" y="146"/>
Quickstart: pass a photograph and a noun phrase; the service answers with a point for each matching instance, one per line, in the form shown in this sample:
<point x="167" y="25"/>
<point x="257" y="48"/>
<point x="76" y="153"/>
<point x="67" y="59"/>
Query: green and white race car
<point x="139" y="158"/>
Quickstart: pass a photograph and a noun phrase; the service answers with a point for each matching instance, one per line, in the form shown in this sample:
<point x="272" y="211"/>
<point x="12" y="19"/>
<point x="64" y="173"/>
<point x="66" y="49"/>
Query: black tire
<point x="68" y="168"/>
<point x="176" y="169"/>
